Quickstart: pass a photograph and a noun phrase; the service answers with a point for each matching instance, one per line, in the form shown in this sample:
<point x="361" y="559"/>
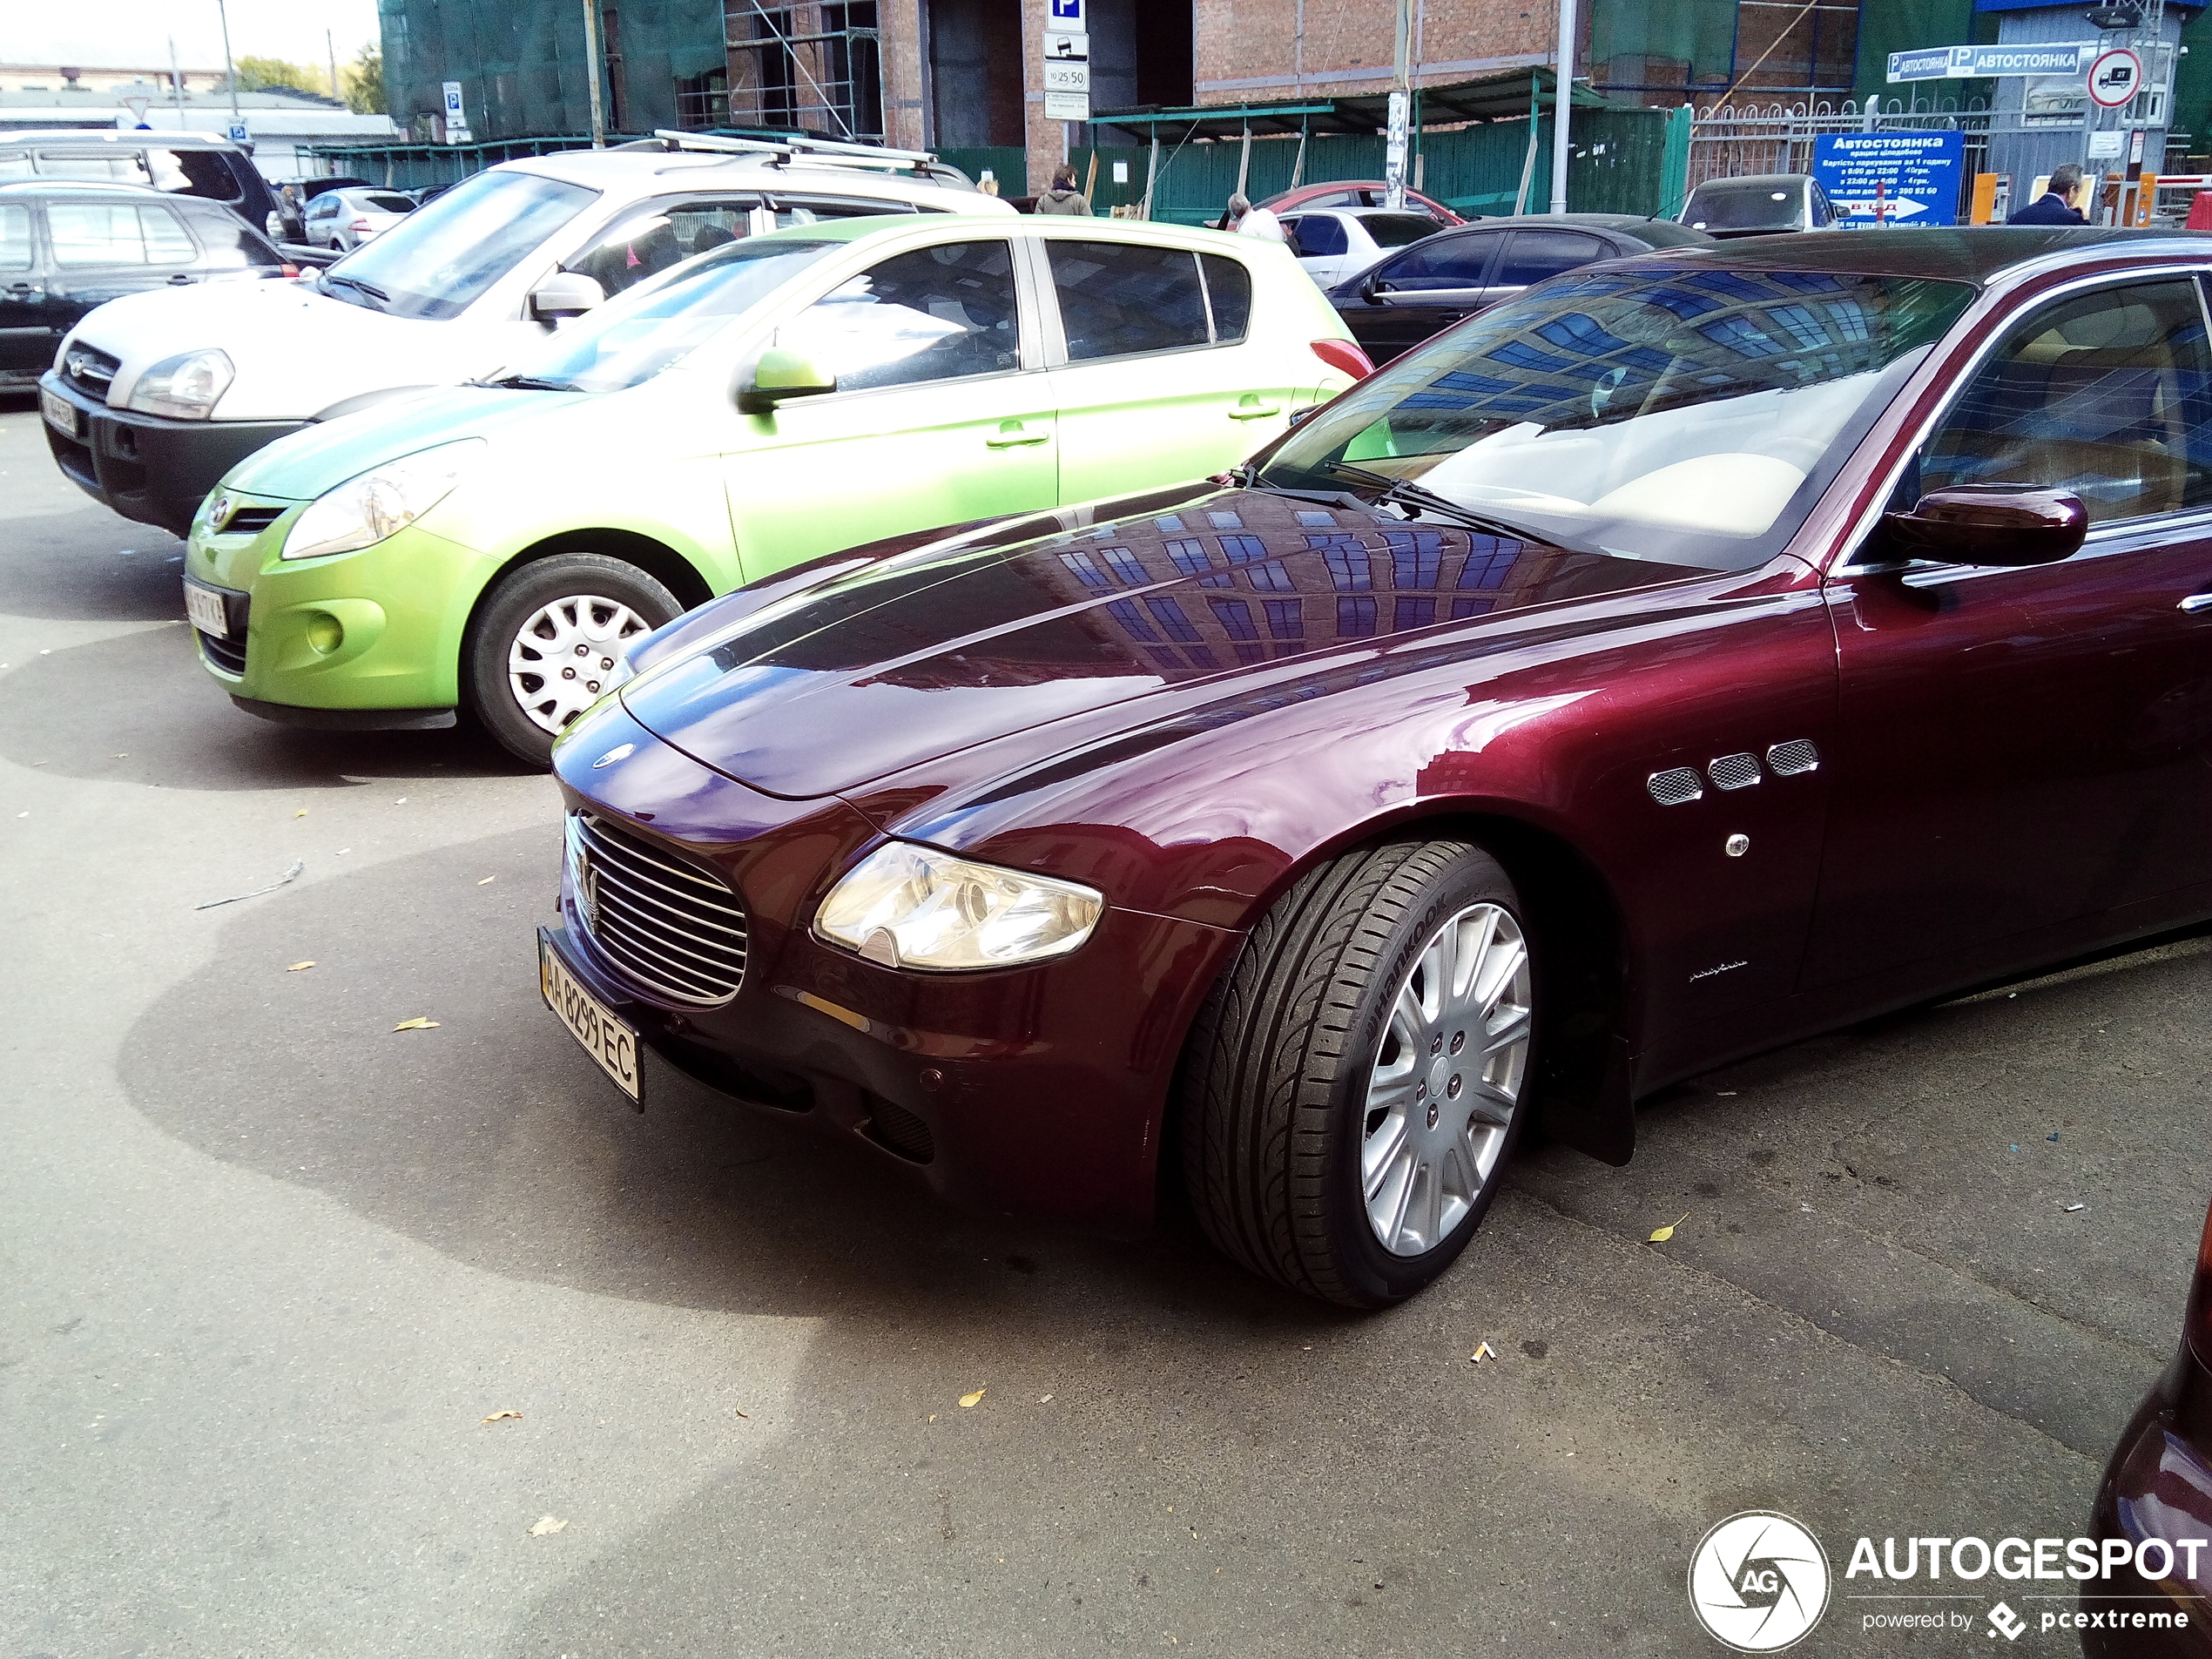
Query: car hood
<point x="1196" y="594"/>
<point x="295" y="352"/>
<point x="305" y="463"/>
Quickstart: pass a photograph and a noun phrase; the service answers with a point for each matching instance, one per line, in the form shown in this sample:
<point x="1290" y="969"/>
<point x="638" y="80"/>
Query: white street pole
<point x="591" y="53"/>
<point x="176" y="81"/>
<point x="1562" y="100"/>
<point x="229" y="70"/>
<point x="330" y="45"/>
<point x="1401" y="105"/>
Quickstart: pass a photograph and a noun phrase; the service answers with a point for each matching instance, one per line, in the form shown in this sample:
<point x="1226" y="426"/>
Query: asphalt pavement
<point x="322" y="1337"/>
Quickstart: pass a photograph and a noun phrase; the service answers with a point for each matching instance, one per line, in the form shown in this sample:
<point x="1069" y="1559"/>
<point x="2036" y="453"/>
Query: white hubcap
<point x="1447" y="1080"/>
<point x="565" y="657"/>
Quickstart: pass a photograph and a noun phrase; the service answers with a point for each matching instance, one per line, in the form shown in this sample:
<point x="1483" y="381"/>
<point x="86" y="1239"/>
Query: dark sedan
<point x="1695" y="653"/>
<point x="65" y="248"/>
<point x="1398" y="302"/>
<point x="2154" y="1601"/>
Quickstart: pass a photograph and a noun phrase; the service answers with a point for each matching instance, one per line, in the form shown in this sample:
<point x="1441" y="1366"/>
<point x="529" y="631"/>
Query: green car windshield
<point x="632" y="339"/>
<point x="1690" y="418"/>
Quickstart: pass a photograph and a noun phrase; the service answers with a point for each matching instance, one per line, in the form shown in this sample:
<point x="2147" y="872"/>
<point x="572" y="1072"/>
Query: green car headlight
<point x="907" y="906"/>
<point x="364" y="510"/>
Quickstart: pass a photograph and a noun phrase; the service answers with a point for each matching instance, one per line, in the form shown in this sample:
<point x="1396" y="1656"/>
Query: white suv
<point x="154" y="397"/>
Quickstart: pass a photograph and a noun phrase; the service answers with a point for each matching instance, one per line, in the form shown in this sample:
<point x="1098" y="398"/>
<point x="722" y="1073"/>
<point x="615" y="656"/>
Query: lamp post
<point x="1562" y="100"/>
<point x="230" y="71"/>
<point x="592" y="60"/>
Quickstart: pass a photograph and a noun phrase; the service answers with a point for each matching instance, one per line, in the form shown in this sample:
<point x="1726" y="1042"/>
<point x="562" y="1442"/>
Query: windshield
<point x="434" y="263"/>
<point x="1691" y="418"/>
<point x="631" y="340"/>
<point x="1761" y="206"/>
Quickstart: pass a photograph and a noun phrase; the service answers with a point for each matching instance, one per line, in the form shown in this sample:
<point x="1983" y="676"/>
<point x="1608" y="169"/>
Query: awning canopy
<point x="1502" y="96"/>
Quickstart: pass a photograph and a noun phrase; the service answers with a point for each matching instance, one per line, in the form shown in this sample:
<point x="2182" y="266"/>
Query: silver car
<point x="345" y="219"/>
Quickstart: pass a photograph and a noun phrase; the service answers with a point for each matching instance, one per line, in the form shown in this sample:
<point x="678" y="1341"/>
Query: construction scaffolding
<point x="806" y="65"/>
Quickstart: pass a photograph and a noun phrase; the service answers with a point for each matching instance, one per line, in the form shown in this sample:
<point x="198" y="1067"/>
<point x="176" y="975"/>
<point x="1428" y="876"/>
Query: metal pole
<point x="223" y="12"/>
<point x="176" y="80"/>
<point x="1401" y="109"/>
<point x="591" y="58"/>
<point x="330" y="45"/>
<point x="1562" y="100"/>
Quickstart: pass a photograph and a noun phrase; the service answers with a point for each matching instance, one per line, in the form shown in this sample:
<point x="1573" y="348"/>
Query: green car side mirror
<point x="781" y="374"/>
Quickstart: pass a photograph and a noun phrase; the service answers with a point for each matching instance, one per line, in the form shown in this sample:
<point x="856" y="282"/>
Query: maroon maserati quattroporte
<point x="1697" y="651"/>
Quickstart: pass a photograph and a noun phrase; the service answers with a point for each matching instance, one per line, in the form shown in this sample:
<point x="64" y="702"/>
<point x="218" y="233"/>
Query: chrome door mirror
<point x="780" y="374"/>
<point x="565" y="294"/>
<point x="1988" y="524"/>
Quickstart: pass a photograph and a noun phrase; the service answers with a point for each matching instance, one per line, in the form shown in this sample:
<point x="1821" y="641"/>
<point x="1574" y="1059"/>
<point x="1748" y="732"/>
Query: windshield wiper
<point x="369" y="288"/>
<point x="1406" y="493"/>
<point x="526" y="383"/>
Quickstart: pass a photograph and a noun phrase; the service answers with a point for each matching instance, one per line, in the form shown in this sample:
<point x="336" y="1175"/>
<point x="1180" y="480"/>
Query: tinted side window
<point x="1317" y="235"/>
<point x="1442" y="262"/>
<point x="231" y="247"/>
<point x="660" y="235"/>
<point x="932" y="315"/>
<point x="2108" y="396"/>
<point x="1228" y="286"/>
<point x="1533" y="255"/>
<point x="117" y="233"/>
<point x="1117" y="298"/>
<point x="14" y="238"/>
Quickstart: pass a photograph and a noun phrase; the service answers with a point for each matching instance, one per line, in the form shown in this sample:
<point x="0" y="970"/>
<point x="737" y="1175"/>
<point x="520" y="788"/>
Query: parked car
<point x="342" y="220"/>
<point x="65" y="248"/>
<point x="1771" y="204"/>
<point x="2157" y="1489"/>
<point x="460" y="288"/>
<point x="1689" y="655"/>
<point x="1333" y="243"/>
<point x="177" y="164"/>
<point x="1424" y="289"/>
<point x="1357" y="193"/>
<point x="497" y="547"/>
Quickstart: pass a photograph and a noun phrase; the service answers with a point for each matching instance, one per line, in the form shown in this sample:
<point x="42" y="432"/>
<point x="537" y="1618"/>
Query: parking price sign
<point x="1891" y="178"/>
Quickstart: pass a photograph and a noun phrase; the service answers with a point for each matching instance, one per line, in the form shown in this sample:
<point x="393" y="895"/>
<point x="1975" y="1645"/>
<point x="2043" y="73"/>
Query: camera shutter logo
<point x="1758" y="1581"/>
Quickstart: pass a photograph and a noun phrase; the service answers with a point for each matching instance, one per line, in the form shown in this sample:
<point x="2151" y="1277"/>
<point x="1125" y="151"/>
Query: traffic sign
<point x="1068" y="16"/>
<point x="1067" y="106"/>
<point x="238" y="133"/>
<point x="2116" y="76"/>
<point x="1984" y="62"/>
<point x="1058" y="44"/>
<point x="1891" y="178"/>
<point x="1066" y="75"/>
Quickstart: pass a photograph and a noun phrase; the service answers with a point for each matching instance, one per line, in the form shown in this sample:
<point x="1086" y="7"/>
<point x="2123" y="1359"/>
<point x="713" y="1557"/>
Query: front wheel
<point x="544" y="644"/>
<point x="1354" y="1085"/>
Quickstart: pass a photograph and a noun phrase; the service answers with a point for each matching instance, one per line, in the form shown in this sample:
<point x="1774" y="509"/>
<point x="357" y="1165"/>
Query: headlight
<point x="913" y="907"/>
<point x="363" y="510"/>
<point x="185" y="386"/>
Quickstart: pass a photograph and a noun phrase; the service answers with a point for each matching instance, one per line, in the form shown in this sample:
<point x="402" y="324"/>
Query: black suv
<point x="177" y="164"/>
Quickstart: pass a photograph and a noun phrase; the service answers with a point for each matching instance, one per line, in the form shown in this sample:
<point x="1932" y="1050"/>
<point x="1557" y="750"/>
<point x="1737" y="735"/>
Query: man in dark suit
<point x="2055" y="204"/>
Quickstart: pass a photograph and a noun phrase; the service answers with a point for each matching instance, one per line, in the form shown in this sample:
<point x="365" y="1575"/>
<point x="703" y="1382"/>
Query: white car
<point x="1333" y="243"/>
<point x="155" y="396"/>
<point x="345" y="219"/>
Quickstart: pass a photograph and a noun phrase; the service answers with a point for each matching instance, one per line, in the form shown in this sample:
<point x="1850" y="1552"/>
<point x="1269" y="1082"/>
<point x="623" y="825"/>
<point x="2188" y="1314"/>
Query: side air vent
<point x="1675" y="787"/>
<point x="1788" y="759"/>
<point x="1734" y="771"/>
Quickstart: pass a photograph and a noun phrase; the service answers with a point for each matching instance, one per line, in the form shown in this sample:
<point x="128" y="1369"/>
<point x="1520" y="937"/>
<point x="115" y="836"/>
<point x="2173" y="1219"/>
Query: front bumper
<point x="1038" y="1091"/>
<point x="369" y="640"/>
<point x="145" y="467"/>
<point x="2158" y="1485"/>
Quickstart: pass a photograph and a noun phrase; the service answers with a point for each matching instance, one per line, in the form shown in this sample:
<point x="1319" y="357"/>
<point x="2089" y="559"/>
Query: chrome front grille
<point x="669" y="927"/>
<point x="90" y="369"/>
<point x="1734" y="771"/>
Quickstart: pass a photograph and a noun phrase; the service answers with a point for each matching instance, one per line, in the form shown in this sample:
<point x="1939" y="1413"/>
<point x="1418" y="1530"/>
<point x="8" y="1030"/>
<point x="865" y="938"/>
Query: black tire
<point x="514" y="604"/>
<point x="1274" y="1099"/>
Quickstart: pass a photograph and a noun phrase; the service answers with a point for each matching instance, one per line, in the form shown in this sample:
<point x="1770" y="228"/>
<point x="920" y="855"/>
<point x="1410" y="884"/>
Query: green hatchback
<point x="496" y="547"/>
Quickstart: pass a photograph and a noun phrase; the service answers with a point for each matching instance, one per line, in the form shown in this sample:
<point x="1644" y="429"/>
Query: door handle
<point x="2196" y="603"/>
<point x="1010" y="435"/>
<point x="1250" y="411"/>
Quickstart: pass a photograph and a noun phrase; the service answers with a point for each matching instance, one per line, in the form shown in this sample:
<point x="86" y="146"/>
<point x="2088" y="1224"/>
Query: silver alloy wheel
<point x="1447" y="1080"/>
<point x="562" y="657"/>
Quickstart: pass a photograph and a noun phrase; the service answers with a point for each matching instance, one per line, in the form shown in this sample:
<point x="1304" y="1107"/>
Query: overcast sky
<point x="135" y="34"/>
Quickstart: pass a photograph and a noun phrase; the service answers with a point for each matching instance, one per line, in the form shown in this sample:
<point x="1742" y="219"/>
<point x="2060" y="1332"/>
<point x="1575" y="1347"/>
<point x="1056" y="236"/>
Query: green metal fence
<point x="410" y="166"/>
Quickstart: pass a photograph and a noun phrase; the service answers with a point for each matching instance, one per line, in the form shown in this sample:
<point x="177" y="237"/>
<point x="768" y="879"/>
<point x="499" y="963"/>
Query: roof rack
<point x="821" y="150"/>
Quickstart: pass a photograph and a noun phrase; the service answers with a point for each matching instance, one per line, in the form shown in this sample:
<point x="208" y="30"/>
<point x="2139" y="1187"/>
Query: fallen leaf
<point x="495" y="1416"/>
<point x="418" y="1023"/>
<point x="1661" y="1235"/>
<point x="125" y="755"/>
<point x="296" y="966"/>
<point x="1044" y="1399"/>
<point x="967" y="1400"/>
<point x="1483" y="1351"/>
<point x="545" y="1524"/>
<point x="302" y="812"/>
<point x="488" y="880"/>
<point x="747" y="1416"/>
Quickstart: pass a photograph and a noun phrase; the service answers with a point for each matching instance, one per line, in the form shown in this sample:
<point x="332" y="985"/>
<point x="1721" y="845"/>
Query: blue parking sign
<point x="1068" y="16"/>
<point x="1891" y="178"/>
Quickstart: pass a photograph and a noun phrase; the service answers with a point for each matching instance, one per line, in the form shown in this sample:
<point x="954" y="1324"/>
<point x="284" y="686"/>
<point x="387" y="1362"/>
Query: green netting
<point x="1687" y="42"/>
<point x="1886" y="26"/>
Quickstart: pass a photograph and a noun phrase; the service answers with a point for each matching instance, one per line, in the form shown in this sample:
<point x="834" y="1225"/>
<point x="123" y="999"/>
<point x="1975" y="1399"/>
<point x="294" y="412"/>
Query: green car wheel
<point x="544" y="645"/>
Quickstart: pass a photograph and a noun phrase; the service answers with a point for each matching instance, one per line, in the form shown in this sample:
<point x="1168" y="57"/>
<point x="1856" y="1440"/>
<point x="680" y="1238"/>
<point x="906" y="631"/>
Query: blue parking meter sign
<point x="1891" y="178"/>
<point x="238" y="133"/>
<point x="1068" y="18"/>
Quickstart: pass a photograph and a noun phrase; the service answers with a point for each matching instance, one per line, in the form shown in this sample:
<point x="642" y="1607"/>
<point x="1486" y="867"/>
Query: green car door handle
<point x="1252" y="410"/>
<point x="1010" y="435"/>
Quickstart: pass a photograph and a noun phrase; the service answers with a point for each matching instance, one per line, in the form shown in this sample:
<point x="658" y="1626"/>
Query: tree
<point x="364" y="79"/>
<point x="258" y="74"/>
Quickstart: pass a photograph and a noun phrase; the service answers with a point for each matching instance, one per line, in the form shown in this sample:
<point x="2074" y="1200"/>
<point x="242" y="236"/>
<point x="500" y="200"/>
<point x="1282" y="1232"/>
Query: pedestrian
<point x="2055" y="205"/>
<point x="1063" y="197"/>
<point x="289" y="216"/>
<point x="1247" y="220"/>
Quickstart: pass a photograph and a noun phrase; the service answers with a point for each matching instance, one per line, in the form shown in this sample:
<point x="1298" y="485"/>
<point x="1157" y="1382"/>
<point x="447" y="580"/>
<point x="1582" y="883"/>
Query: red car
<point x="2157" y="1492"/>
<point x="1355" y="192"/>
<point x="1696" y="652"/>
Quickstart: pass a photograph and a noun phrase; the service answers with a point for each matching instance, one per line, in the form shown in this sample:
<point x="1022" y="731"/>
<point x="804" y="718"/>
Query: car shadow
<point x="177" y="731"/>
